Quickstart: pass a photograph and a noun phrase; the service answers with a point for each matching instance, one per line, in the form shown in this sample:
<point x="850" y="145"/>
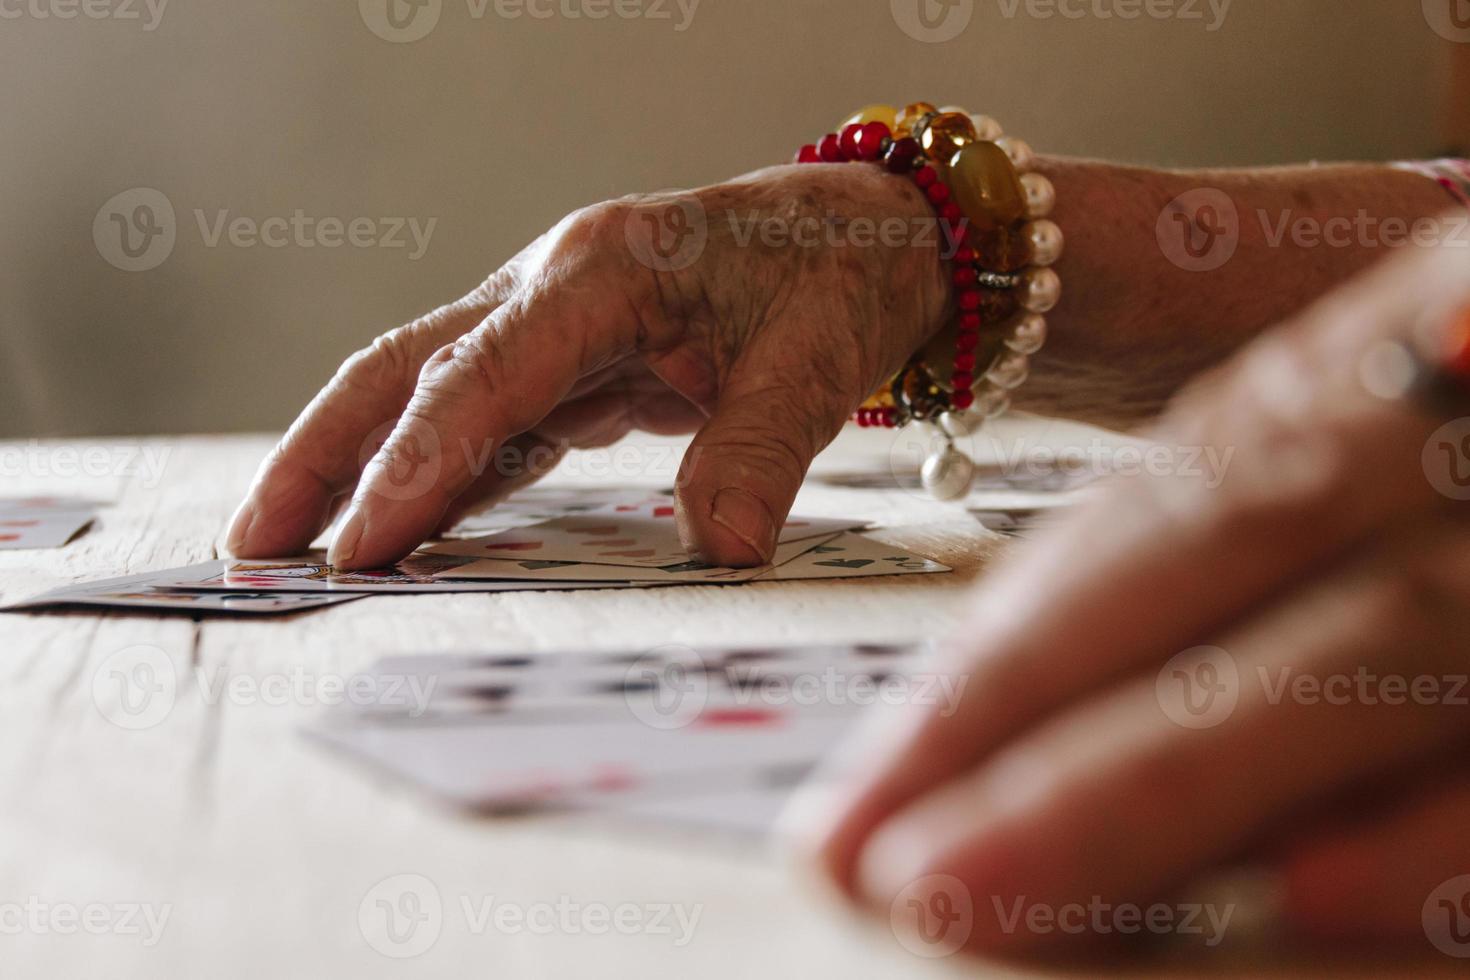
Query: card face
<point x="415" y="574"/>
<point x="140" y="592"/>
<point x="42" y="522"/>
<point x="535" y="505"/>
<point x="507" y="731"/>
<point x="851" y="556"/>
<point x="572" y="571"/>
<point x="641" y="535"/>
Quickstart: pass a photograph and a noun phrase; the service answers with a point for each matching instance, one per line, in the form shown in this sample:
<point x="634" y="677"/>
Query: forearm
<point x="1141" y="313"/>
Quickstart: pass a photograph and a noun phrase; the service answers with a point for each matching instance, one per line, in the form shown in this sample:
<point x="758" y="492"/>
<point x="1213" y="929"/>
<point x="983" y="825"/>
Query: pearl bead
<point x="1018" y="150"/>
<point x="987" y="128"/>
<point x="958" y="425"/>
<point x="1046" y="241"/>
<point x="1029" y="335"/>
<point x="947" y="475"/>
<point x="1041" y="196"/>
<point x="1041" y="289"/>
<point x="1009" y="370"/>
<point x="991" y="402"/>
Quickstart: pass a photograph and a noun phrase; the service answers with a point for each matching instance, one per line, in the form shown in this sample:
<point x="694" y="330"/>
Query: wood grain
<point x="263" y="847"/>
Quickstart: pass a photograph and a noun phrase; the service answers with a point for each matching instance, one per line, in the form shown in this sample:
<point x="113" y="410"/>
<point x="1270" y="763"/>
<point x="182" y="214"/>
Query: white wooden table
<point x="261" y="848"/>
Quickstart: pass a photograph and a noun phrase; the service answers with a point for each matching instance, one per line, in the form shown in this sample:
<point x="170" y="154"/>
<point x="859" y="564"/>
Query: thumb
<point x="743" y="469"/>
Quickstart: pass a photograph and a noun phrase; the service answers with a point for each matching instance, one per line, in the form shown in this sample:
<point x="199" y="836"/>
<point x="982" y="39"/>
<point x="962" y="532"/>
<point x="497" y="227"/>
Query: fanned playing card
<point x="688" y="571"/>
<point x="43" y="522"/>
<point x="851" y="556"/>
<point x="144" y="592"/>
<point x="415" y="574"/>
<point x="495" y="732"/>
<point x="641" y="535"/>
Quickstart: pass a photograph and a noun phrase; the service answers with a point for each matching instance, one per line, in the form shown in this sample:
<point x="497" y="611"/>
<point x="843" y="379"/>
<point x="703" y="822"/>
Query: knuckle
<point x="387" y="364"/>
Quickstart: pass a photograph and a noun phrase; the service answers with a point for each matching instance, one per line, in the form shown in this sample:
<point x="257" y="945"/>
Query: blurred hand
<point x="667" y="313"/>
<point x="1093" y="754"/>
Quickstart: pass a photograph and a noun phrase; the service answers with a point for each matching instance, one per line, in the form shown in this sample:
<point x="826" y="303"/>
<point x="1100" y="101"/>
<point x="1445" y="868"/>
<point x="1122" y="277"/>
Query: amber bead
<point x="911" y="116"/>
<point x="997" y="305"/>
<point x="946" y="134"/>
<point x="1002" y="249"/>
<point x="885" y="114"/>
<point x="985" y="185"/>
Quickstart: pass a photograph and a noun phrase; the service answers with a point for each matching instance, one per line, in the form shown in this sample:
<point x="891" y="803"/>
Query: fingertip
<point x="731" y="528"/>
<point x="237" y="539"/>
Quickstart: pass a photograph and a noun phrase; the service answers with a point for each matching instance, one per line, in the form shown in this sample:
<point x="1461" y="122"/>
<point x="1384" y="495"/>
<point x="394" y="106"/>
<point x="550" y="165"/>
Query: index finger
<point x="321" y="455"/>
<point x="492" y="384"/>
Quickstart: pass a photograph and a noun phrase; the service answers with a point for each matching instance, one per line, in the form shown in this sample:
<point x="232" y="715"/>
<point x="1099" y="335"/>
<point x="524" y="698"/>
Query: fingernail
<point x="240" y="526"/>
<point x="344" y="545"/>
<point x="746" y="517"/>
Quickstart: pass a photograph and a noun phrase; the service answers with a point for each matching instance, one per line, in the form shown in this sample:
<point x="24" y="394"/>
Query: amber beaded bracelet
<point x="993" y="213"/>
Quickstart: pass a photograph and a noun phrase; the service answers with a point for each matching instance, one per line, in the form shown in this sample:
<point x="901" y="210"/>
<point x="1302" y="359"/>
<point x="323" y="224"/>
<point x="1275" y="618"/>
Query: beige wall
<point x="497" y="127"/>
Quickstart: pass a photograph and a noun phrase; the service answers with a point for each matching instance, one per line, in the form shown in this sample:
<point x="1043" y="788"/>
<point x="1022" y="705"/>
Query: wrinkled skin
<point x="746" y="346"/>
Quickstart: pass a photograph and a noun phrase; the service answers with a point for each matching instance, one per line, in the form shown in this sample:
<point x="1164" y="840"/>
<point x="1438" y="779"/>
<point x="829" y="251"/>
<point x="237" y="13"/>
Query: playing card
<point x="416" y="573"/>
<point x="641" y="535"/>
<point x="141" y="592"/>
<point x="537" y="504"/>
<point x="1018" y="522"/>
<point x="507" y="731"/>
<point x="571" y="571"/>
<point x="851" y="556"/>
<point x="42" y="522"/>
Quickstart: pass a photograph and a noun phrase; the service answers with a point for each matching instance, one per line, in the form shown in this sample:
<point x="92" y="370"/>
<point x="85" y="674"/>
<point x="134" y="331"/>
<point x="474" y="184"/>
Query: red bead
<point x="902" y="154"/>
<point x="970" y="300"/>
<point x="938" y="193"/>
<point x="830" y="149"/>
<point x="964" y="275"/>
<point x="890" y="418"/>
<point x="970" y="322"/>
<point x="966" y="340"/>
<point x="925" y="176"/>
<point x="962" y="399"/>
<point x="963" y="380"/>
<point x="848" y="140"/>
<point x="950" y="211"/>
<point x="965" y="254"/>
<point x="964" y="361"/>
<point x="872" y="140"/>
<point x="809" y="154"/>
